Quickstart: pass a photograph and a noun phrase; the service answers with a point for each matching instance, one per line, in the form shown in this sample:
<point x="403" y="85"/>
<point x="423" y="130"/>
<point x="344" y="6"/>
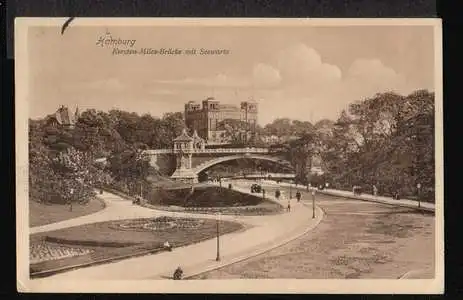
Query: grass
<point x="108" y="240"/>
<point x="262" y="209"/>
<point x="346" y="245"/>
<point x="211" y="199"/>
<point x="43" y="214"/>
<point x="208" y="197"/>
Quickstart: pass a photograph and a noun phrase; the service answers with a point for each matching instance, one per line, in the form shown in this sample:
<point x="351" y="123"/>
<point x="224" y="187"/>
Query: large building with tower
<point x="206" y="118"/>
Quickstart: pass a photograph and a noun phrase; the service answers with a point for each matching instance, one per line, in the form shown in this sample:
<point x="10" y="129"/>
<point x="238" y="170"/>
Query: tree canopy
<point x="386" y="140"/>
<point x="56" y="151"/>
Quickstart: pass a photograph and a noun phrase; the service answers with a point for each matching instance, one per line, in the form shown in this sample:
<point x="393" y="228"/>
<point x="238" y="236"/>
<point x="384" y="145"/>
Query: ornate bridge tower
<point x="184" y="147"/>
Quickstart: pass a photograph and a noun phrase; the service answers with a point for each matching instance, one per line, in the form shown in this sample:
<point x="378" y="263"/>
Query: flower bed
<point x="114" y="240"/>
<point x="262" y="209"/>
<point x="159" y="224"/>
<point x="40" y="252"/>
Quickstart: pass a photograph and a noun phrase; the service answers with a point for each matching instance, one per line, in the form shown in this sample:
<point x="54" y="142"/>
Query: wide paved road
<point x="355" y="239"/>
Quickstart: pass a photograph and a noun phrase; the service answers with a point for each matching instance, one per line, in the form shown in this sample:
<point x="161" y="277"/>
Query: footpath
<point x="264" y="234"/>
<point x="424" y="206"/>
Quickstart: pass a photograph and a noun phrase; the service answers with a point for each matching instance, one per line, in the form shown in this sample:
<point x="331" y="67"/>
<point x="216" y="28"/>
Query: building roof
<point x="64" y="117"/>
<point x="184" y="137"/>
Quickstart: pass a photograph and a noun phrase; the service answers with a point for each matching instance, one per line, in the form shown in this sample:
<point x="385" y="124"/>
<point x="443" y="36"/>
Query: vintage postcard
<point x="229" y="155"/>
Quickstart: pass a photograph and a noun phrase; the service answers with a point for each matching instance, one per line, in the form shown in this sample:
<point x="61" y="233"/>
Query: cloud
<point x="109" y="84"/>
<point x="220" y="80"/>
<point x="265" y="75"/>
<point x="302" y="65"/>
<point x="163" y="92"/>
<point x="373" y="71"/>
<point x="369" y="76"/>
<point x="364" y="78"/>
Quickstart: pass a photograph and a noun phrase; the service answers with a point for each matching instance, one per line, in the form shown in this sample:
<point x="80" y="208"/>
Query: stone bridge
<point x="189" y="157"/>
<point x="186" y="165"/>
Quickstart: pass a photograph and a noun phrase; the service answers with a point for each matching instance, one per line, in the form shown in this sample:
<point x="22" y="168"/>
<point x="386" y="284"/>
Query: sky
<point x="305" y="73"/>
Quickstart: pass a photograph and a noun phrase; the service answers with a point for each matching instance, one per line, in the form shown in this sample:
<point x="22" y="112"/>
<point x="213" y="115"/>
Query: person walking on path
<point x="298" y="196"/>
<point x="375" y="190"/>
<point x="282" y="196"/>
<point x="167" y="246"/>
<point x="289" y="205"/>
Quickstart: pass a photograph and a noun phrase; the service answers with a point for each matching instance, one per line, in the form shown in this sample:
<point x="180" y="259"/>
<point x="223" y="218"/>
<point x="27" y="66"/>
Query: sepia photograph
<point x="229" y="155"/>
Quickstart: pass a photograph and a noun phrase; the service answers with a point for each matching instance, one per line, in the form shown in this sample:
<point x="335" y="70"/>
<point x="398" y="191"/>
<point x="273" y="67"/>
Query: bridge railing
<point x="201" y="151"/>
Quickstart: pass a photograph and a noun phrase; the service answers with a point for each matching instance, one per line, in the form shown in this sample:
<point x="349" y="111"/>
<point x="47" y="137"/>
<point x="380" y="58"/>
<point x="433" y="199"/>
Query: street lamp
<point x="418" y="187"/>
<point x="313" y="204"/>
<point x="218" y="234"/>
<point x="290" y="190"/>
<point x="71" y="192"/>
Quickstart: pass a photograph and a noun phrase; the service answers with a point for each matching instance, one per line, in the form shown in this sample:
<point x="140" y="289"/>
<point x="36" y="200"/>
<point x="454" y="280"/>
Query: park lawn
<point x="264" y="208"/>
<point x="43" y="214"/>
<point x="207" y="196"/>
<point x="212" y="199"/>
<point x="109" y="232"/>
<point x="108" y="241"/>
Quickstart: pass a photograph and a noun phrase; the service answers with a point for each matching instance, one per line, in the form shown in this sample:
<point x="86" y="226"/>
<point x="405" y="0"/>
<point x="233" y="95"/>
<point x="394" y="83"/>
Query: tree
<point x="172" y="125"/>
<point x="301" y="154"/>
<point x="234" y="131"/>
<point x="279" y="127"/>
<point x="72" y="168"/>
<point x="386" y="140"/>
<point x="130" y="167"/>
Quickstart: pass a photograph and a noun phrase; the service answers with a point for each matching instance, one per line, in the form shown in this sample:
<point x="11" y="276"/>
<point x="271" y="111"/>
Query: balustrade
<point x="224" y="150"/>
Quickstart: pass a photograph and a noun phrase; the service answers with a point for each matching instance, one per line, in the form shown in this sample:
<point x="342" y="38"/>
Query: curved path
<point x="117" y="208"/>
<point x="266" y="232"/>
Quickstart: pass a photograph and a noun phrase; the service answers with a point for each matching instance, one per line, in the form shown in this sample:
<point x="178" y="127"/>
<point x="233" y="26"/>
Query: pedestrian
<point x="167" y="246"/>
<point x="289" y="205"/>
<point x="298" y="196"/>
<point x="178" y="273"/>
<point x="375" y="190"/>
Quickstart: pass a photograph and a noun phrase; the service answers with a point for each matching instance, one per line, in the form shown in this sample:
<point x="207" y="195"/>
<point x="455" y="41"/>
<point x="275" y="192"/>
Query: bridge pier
<point x="185" y="175"/>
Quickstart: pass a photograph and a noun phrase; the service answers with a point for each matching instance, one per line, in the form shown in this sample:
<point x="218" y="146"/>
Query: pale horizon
<point x="303" y="73"/>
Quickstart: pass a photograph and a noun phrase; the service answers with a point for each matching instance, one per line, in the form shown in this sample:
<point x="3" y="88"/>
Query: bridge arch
<point x="198" y="169"/>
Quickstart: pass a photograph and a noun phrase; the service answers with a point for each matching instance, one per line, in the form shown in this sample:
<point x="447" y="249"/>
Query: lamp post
<point x="71" y="192"/>
<point x="290" y="190"/>
<point x="218" y="234"/>
<point x="313" y="204"/>
<point x="418" y="188"/>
